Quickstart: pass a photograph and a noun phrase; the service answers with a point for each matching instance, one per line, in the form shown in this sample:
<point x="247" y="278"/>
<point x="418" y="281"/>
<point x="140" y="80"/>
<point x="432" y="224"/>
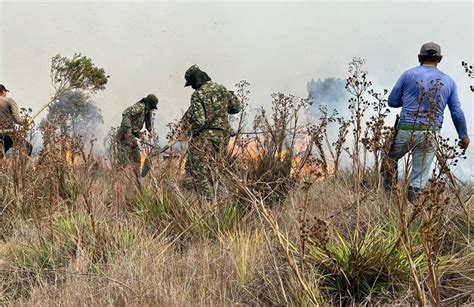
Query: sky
<point x="146" y="46"/>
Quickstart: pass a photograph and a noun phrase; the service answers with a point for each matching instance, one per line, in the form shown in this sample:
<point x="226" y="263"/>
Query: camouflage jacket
<point x="134" y="117"/>
<point x="209" y="109"/>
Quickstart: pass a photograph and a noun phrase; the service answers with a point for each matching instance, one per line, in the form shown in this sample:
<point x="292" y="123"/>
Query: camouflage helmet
<point x="189" y="72"/>
<point x="151" y="100"/>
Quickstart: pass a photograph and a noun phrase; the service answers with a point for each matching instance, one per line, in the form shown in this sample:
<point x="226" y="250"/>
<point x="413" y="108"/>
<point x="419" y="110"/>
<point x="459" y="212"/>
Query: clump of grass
<point x="370" y="270"/>
<point x="244" y="252"/>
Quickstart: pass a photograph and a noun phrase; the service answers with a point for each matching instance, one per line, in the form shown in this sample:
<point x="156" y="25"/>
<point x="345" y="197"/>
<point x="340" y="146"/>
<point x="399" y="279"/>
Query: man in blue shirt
<point x="423" y="92"/>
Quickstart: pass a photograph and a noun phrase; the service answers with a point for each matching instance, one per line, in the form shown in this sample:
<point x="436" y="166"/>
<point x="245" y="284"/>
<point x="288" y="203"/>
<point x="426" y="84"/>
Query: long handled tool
<point x="147" y="164"/>
<point x="162" y="149"/>
<point x="56" y="96"/>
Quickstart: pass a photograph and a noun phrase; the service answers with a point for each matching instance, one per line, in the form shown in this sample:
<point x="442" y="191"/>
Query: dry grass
<point x="92" y="235"/>
<point x="150" y="244"/>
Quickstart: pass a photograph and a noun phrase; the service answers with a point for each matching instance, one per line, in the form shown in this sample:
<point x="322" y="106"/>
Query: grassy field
<point x="289" y="224"/>
<point x="90" y="235"/>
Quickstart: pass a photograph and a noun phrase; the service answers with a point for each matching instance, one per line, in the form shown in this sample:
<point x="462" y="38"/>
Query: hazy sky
<point x="146" y="46"/>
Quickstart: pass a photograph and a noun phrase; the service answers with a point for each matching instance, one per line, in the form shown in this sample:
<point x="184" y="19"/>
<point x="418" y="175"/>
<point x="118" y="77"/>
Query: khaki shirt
<point x="9" y="113"/>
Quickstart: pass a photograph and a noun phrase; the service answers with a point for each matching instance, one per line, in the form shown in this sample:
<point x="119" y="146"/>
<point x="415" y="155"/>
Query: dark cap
<point x="152" y="101"/>
<point x="3" y="88"/>
<point x="188" y="73"/>
<point x="430" y="49"/>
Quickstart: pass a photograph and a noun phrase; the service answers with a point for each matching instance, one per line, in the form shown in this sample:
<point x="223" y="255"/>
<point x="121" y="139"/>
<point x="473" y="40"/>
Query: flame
<point x="71" y="156"/>
<point x="308" y="169"/>
<point x="72" y="159"/>
<point x="143" y="157"/>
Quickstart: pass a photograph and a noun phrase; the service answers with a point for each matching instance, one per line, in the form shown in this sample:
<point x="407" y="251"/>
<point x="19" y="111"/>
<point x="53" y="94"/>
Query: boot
<point x="412" y="193"/>
<point x="389" y="172"/>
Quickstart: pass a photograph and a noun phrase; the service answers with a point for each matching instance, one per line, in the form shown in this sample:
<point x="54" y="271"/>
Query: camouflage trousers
<point x="202" y="163"/>
<point x="128" y="150"/>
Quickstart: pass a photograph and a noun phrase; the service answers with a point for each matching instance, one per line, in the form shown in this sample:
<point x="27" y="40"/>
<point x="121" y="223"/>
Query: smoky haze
<point x="145" y="47"/>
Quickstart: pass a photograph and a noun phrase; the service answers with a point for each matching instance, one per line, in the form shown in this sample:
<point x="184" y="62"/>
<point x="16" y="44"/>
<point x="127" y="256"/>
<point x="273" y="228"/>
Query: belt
<point x="209" y="129"/>
<point x="212" y="128"/>
<point x="417" y="127"/>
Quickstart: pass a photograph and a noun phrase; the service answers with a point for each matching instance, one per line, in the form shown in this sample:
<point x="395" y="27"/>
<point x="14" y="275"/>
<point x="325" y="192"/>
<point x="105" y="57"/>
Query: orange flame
<point x="306" y="168"/>
<point x="143" y="156"/>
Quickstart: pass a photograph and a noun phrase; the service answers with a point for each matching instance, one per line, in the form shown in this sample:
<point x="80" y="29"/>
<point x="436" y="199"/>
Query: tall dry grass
<point x="286" y="227"/>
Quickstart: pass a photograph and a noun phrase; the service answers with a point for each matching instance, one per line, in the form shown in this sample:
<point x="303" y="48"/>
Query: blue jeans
<point x="422" y="146"/>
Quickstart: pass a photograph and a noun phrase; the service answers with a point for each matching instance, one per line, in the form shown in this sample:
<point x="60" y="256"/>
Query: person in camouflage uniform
<point x="133" y="119"/>
<point x="208" y="126"/>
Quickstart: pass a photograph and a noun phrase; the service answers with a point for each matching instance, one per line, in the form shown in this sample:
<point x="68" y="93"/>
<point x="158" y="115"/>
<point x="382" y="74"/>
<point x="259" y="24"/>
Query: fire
<point x="72" y="159"/>
<point x="307" y="168"/>
<point x="71" y="156"/>
<point x="143" y="157"/>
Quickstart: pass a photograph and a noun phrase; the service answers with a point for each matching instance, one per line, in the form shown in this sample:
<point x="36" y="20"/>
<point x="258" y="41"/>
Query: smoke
<point x="328" y="92"/>
<point x="146" y="46"/>
<point x="74" y="113"/>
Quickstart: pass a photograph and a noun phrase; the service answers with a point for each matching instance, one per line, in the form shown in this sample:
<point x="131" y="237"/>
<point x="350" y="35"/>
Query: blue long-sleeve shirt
<point x="407" y="93"/>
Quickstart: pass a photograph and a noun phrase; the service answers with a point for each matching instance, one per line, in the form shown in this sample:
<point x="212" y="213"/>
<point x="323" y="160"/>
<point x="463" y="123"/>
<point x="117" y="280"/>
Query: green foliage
<point x="73" y="237"/>
<point x="188" y="217"/>
<point x="373" y="268"/>
<point x="151" y="209"/>
<point x="78" y="73"/>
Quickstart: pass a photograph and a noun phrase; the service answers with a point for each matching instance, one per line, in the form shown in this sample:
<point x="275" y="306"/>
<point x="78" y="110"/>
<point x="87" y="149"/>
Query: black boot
<point x="412" y="193"/>
<point x="389" y="172"/>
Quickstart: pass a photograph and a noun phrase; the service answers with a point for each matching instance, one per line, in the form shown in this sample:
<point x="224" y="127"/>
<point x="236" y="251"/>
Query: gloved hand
<point x="28" y="123"/>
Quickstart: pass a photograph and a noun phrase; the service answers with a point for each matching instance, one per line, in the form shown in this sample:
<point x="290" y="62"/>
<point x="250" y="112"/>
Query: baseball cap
<point x="3" y="88"/>
<point x="430" y="49"/>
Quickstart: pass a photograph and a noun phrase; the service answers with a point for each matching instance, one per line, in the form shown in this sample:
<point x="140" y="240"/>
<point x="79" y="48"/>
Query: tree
<point x="76" y="74"/>
<point x="73" y="114"/>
